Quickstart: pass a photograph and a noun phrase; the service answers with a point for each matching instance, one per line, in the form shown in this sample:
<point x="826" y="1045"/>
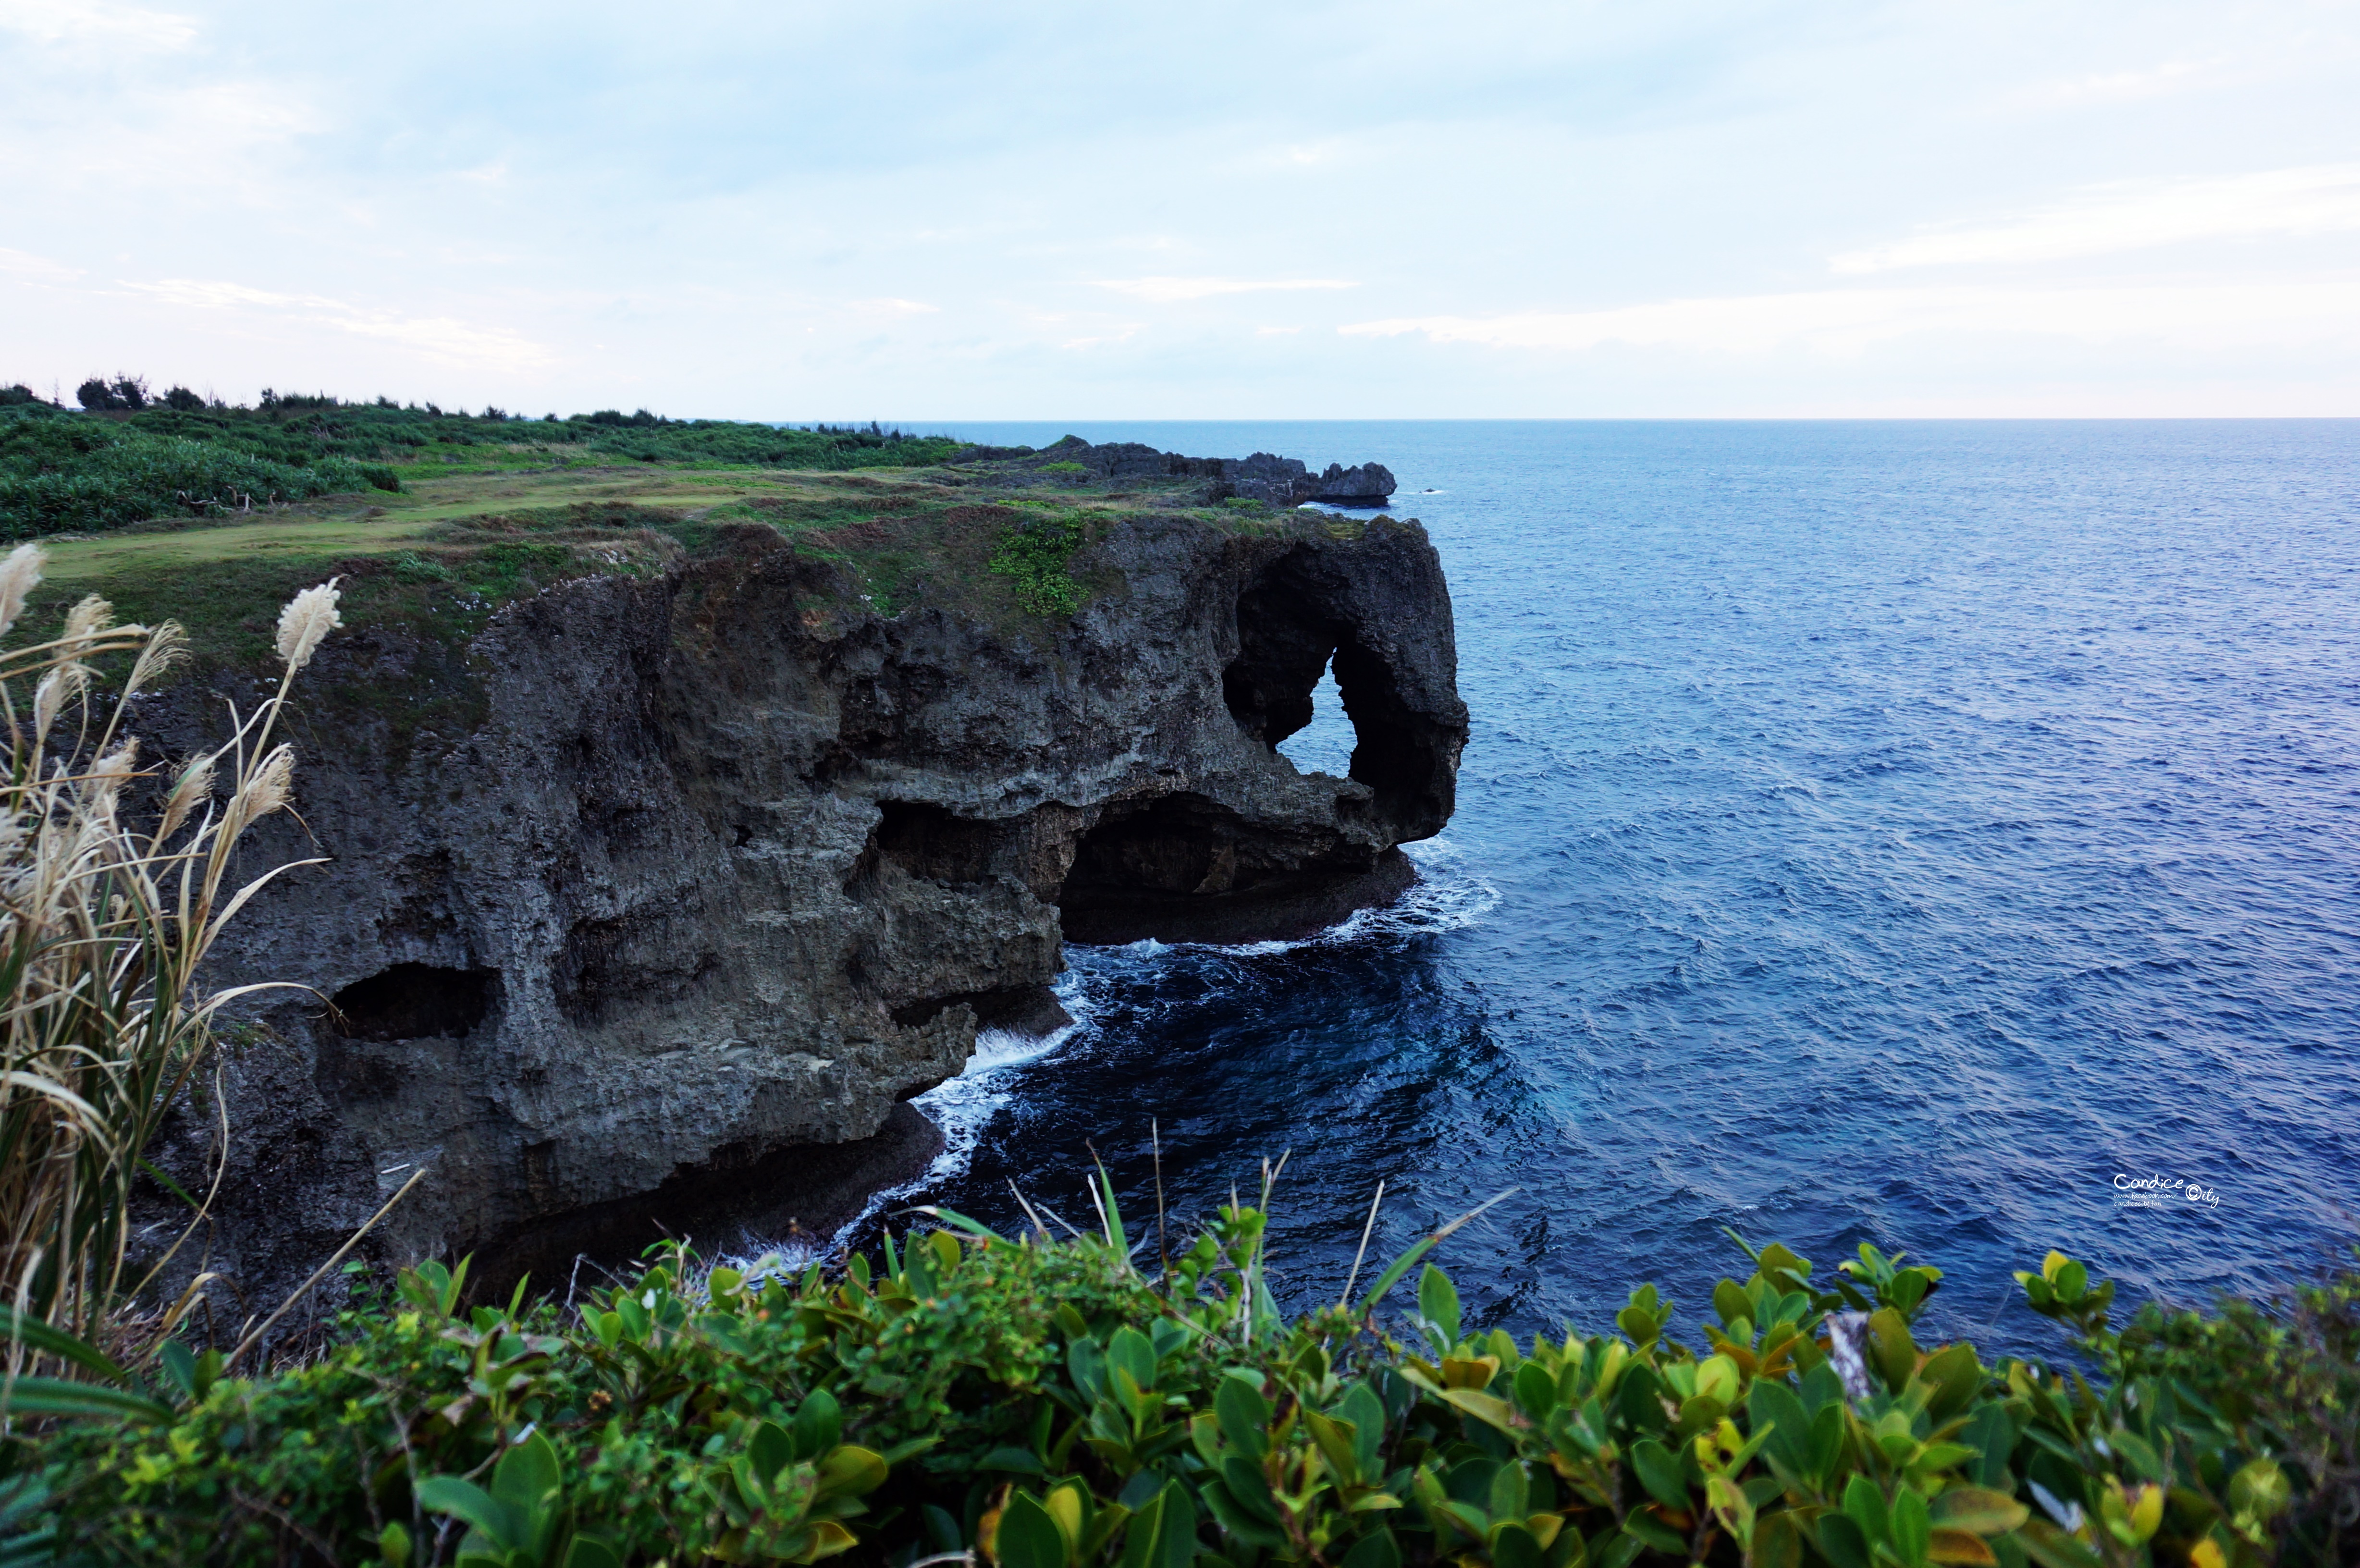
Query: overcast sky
<point x="1216" y="209"/>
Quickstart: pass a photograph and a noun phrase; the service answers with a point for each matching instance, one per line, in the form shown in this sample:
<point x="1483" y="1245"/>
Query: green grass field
<point x="444" y="554"/>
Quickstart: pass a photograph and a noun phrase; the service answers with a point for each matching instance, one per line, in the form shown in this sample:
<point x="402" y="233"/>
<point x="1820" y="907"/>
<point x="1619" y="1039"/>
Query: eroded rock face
<point x="731" y="867"/>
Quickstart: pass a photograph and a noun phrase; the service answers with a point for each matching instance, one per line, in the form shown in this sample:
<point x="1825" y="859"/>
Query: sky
<point x="1669" y="209"/>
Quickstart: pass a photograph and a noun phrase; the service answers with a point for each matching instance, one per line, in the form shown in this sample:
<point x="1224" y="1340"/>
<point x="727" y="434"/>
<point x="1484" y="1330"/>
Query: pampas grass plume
<point x="308" y="618"/>
<point x="18" y="573"/>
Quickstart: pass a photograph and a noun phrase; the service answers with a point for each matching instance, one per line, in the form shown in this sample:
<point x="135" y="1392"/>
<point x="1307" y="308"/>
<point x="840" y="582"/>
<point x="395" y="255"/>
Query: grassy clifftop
<point x="482" y="523"/>
<point x="63" y="471"/>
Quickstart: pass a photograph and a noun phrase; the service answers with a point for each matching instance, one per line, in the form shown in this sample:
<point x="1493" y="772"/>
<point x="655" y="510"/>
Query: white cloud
<point x="895" y="308"/>
<point x="1170" y="290"/>
<point x="436" y="337"/>
<point x="1846" y="320"/>
<point x="2320" y="199"/>
<point x="94" y="21"/>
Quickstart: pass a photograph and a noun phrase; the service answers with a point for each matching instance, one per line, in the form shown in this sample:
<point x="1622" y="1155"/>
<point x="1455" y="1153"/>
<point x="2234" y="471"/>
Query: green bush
<point x="1049" y="1406"/>
<point x="63" y="473"/>
<point x="1035" y="555"/>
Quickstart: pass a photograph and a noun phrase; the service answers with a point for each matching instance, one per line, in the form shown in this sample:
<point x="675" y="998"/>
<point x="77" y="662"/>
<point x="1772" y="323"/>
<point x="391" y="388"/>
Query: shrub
<point x="1046" y="1405"/>
<point x="1036" y="553"/>
<point x="123" y="392"/>
<point x="62" y="474"/>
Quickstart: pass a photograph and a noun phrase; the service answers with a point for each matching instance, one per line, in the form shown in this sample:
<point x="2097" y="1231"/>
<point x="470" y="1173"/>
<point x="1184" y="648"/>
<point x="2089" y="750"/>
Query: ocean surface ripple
<point x="1873" y="832"/>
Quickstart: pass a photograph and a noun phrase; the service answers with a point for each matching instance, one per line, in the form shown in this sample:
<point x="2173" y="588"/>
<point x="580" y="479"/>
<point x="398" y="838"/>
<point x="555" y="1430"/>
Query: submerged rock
<point x="728" y="865"/>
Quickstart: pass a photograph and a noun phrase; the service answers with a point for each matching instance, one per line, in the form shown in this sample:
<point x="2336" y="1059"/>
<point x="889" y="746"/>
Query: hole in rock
<point x="415" y="1001"/>
<point x="1325" y="745"/>
<point x="1297" y="621"/>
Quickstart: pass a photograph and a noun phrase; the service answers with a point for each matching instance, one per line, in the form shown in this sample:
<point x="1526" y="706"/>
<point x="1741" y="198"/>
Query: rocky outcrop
<point x="1275" y="481"/>
<point x="725" y="866"/>
<point x="1365" y="485"/>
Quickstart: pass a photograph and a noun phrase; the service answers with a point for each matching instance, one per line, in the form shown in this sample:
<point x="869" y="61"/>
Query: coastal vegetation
<point x="126" y="456"/>
<point x="1031" y="1403"/>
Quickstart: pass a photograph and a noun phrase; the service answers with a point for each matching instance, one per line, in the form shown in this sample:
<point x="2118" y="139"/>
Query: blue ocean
<point x="1896" y="832"/>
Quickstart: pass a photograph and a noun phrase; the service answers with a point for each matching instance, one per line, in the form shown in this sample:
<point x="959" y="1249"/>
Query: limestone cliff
<point x="727" y="864"/>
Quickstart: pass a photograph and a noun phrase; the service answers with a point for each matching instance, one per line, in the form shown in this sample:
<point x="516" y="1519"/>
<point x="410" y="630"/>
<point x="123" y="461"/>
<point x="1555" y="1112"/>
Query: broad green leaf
<point x="1955" y="1377"/>
<point x="1912" y="1531"/>
<point x="1535" y="1390"/>
<point x="1249" y="1489"/>
<point x="1244" y="1416"/>
<point x="1842" y="1540"/>
<point x="1659" y="1471"/>
<point x="1777" y="1542"/>
<point x="1375" y="1550"/>
<point x="527" y="1473"/>
<point x="1163" y="1533"/>
<point x="1488" y="1409"/>
<point x="1776" y="1411"/>
<point x="1513" y="1546"/>
<point x="1339" y="1445"/>
<point x="2052" y="1548"/>
<point x="1890" y="1348"/>
<point x="589" y="1551"/>
<point x="1233" y="1517"/>
<point x="772" y="1450"/>
<point x="1438" y="1303"/>
<point x="1865" y="1506"/>
<point x="1961" y="1549"/>
<point x="1993" y="1438"/>
<point x="851" y="1472"/>
<point x="818" y="1425"/>
<point x="1979" y="1509"/>
<point x="1028" y="1536"/>
<point x="1131" y="1351"/>
<point x="1361" y="1406"/>
<point x="503" y="1522"/>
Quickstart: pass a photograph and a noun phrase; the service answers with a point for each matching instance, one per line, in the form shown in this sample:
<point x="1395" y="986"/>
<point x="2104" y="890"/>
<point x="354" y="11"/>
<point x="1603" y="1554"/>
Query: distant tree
<point x="183" y="399"/>
<point x="493" y="411"/>
<point x="123" y="392"/>
<point x="18" y="393"/>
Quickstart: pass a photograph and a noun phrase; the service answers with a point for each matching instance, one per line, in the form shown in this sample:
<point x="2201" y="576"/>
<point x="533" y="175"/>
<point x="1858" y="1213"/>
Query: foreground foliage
<point x="107" y="914"/>
<point x="1046" y="1406"/>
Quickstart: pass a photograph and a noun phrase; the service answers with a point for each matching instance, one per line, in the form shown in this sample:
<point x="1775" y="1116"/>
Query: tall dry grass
<point x="107" y="915"/>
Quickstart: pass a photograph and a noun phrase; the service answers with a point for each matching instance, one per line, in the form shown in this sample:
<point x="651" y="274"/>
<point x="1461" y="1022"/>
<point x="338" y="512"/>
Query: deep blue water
<point x="1888" y="832"/>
